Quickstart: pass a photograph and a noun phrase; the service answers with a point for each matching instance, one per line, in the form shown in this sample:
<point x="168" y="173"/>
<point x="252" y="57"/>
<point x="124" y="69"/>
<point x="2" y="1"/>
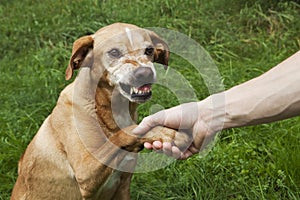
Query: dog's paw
<point x="163" y="134"/>
<point x="133" y="143"/>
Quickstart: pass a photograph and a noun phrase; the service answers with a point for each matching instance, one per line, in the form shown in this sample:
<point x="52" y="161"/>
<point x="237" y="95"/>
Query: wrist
<point x="212" y="112"/>
<point x="219" y="112"/>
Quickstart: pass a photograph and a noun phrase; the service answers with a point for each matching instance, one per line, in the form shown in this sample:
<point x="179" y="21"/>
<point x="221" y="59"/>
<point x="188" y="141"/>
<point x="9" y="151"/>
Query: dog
<point x="84" y="148"/>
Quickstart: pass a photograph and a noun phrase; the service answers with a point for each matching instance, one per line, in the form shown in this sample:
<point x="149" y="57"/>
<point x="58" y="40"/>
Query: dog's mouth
<point x="137" y="94"/>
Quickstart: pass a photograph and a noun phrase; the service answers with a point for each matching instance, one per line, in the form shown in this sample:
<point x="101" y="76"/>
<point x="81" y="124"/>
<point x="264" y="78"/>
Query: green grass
<point x="244" y="39"/>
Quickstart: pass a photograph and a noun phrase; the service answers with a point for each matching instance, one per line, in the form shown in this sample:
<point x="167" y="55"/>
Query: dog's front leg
<point x="93" y="169"/>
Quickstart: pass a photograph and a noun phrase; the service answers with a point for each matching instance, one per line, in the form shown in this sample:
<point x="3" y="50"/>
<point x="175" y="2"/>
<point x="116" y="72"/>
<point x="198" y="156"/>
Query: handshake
<point x="187" y="119"/>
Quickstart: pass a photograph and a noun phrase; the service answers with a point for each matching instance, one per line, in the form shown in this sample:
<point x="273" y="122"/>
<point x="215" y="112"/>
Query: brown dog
<point x="84" y="149"/>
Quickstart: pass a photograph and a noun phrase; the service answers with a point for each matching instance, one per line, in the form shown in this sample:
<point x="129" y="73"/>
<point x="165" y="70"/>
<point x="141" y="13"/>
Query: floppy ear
<point x="80" y="49"/>
<point x="162" y="52"/>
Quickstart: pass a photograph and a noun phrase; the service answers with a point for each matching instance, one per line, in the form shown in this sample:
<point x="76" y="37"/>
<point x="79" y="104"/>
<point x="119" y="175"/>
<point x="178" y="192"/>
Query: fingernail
<point x="147" y="145"/>
<point x="157" y="144"/>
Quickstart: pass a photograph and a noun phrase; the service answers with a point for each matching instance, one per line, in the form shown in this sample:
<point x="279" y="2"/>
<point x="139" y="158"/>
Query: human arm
<point x="273" y="96"/>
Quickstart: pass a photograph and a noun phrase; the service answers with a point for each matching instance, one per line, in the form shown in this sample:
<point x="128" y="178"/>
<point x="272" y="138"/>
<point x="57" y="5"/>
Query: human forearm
<point x="273" y="96"/>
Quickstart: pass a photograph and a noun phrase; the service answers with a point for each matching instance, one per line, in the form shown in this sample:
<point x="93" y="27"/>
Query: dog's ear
<point x="162" y="52"/>
<point x="80" y="49"/>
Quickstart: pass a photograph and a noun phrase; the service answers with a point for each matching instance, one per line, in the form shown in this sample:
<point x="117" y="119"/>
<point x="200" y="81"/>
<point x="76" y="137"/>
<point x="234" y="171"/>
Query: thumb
<point x="146" y="124"/>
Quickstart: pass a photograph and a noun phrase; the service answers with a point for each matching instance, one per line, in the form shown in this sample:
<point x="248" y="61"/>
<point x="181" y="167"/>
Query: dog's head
<point x="125" y="53"/>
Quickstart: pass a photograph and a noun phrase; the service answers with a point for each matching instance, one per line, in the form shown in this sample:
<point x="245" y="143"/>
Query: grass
<point x="244" y="39"/>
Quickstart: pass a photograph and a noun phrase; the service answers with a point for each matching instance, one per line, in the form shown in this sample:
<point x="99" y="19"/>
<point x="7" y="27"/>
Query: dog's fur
<point x="84" y="149"/>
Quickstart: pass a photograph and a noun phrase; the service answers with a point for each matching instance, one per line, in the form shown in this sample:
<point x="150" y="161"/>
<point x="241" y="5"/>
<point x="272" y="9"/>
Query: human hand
<point x="185" y="118"/>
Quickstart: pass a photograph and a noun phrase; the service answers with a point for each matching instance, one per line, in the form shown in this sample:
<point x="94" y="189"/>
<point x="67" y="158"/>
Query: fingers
<point x="148" y="145"/>
<point x="176" y="153"/>
<point x="185" y="155"/>
<point x="157" y="145"/>
<point x="170" y="150"/>
<point x="167" y="149"/>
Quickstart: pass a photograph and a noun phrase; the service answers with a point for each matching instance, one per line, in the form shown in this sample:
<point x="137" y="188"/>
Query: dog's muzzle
<point x="140" y="82"/>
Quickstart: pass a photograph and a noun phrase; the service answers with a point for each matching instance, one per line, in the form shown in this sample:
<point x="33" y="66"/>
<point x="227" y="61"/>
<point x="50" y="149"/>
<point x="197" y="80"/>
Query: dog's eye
<point x="115" y="53"/>
<point x="149" y="51"/>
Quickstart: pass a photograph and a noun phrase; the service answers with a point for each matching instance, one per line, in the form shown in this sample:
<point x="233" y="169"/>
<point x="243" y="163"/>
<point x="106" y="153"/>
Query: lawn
<point x="243" y="39"/>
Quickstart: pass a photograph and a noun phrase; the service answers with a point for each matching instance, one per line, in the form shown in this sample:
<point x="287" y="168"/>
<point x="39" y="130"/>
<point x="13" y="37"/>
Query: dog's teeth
<point x="143" y="91"/>
<point x="134" y="90"/>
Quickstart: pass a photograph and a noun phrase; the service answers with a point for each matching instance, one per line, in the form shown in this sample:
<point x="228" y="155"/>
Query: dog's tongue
<point x="145" y="88"/>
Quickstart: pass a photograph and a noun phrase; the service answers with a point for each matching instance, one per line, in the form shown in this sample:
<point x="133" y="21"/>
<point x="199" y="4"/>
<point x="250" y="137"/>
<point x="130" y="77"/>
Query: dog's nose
<point x="144" y="75"/>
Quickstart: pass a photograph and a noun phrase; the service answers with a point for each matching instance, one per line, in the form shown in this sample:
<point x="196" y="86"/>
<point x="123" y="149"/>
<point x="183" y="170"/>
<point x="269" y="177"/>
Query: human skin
<point x="273" y="96"/>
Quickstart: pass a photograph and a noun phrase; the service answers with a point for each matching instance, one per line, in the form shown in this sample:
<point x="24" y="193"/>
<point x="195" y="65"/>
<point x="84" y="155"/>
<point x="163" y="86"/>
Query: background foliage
<point x="245" y="39"/>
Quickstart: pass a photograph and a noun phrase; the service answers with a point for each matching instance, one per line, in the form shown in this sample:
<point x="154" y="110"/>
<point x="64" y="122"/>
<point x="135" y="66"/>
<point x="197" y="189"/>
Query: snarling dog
<point x="85" y="149"/>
